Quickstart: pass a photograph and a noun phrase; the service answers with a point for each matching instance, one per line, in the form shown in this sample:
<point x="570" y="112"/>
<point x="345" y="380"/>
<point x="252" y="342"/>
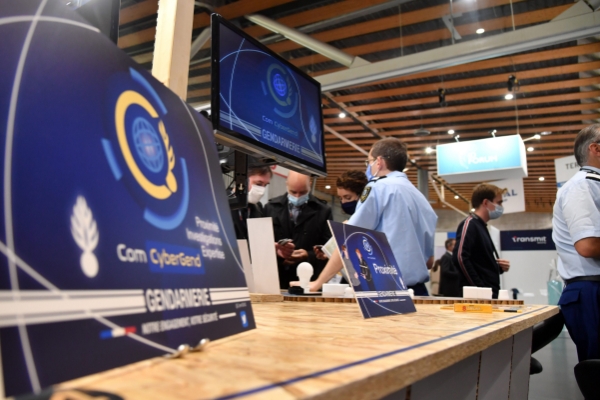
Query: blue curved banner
<point x="117" y="243"/>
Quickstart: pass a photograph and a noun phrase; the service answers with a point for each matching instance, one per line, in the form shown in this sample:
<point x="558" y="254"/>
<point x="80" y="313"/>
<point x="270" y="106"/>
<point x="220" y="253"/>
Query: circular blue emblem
<point x="148" y="144"/>
<point x="279" y="85"/>
<point x="367" y="246"/>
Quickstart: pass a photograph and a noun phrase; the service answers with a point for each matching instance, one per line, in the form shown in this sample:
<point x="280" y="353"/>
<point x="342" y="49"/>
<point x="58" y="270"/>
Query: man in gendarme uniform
<point x="391" y="204"/>
<point x="576" y="233"/>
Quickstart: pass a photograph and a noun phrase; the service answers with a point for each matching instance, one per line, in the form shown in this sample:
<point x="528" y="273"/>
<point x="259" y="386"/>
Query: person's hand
<point x="315" y="286"/>
<point x="319" y="253"/>
<point x="286" y="250"/>
<point x="294" y="283"/>
<point x="504" y="264"/>
<point x="297" y="256"/>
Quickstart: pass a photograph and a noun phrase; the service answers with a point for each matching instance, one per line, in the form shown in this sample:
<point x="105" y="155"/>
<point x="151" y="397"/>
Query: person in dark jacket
<point x="449" y="279"/>
<point x="300" y="216"/>
<point x="258" y="179"/>
<point x="474" y="255"/>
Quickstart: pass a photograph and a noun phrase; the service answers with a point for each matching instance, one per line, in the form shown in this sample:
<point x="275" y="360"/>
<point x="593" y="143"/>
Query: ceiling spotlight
<point x="428" y="150"/>
<point x="546" y="133"/>
<point x="530" y="149"/>
<point x="509" y="96"/>
<point x="541" y="178"/>
<point x="456" y="197"/>
<point x="456" y="137"/>
<point x="442" y="97"/>
<point x="327" y="186"/>
<point x="512" y="84"/>
<point x="342" y="115"/>
<point x="451" y="132"/>
<point x="493" y="132"/>
<point x="536" y="136"/>
<point x="472" y="210"/>
<point x="480" y="31"/>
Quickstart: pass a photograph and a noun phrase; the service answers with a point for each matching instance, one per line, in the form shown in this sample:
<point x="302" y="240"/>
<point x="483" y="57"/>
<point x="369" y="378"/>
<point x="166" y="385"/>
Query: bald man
<point x="299" y="216"/>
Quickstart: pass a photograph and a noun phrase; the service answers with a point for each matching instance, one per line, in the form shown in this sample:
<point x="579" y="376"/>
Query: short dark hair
<point x="354" y="181"/>
<point x="260" y="170"/>
<point x="484" y="191"/>
<point x="585" y="137"/>
<point x="448" y="241"/>
<point x="393" y="151"/>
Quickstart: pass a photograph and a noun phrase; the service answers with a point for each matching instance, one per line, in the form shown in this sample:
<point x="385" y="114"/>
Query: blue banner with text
<point x="117" y="242"/>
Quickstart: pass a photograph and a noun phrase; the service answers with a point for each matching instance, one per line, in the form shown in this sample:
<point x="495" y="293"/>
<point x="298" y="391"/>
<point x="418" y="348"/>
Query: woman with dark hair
<point x="350" y="186"/>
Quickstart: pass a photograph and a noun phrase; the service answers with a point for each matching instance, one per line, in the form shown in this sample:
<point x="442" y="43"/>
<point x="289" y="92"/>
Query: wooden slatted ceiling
<point x="559" y="87"/>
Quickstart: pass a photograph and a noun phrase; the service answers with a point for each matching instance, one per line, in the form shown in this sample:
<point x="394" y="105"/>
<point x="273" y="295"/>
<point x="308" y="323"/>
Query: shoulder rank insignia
<point x="365" y="194"/>
<point x="590" y="175"/>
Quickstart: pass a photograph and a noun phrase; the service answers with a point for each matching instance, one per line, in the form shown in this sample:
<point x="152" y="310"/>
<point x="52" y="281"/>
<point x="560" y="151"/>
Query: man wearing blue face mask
<point x="474" y="255"/>
<point x="299" y="216"/>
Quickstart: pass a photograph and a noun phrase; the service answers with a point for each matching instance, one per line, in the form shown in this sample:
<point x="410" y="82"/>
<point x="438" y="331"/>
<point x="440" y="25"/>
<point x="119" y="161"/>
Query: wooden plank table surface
<point x="318" y="350"/>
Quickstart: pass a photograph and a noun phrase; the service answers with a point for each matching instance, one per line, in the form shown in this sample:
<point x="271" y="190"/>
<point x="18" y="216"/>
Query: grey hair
<point x="585" y="137"/>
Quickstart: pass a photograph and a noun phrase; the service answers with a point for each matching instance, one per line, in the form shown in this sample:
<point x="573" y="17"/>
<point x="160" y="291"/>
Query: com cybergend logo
<point x="147" y="153"/>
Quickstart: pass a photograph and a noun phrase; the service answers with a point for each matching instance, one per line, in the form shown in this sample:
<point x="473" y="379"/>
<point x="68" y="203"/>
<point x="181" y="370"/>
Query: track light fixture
<point x="513" y="84"/>
<point x="442" y="97"/>
<point x="492" y="132"/>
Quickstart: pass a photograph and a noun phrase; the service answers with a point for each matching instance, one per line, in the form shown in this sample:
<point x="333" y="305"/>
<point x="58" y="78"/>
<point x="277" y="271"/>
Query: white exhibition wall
<point x="529" y="272"/>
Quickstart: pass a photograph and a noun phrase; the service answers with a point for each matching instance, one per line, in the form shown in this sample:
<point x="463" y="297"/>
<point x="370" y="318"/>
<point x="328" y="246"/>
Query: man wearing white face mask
<point x="258" y="179"/>
<point x="301" y="217"/>
<point x="474" y="253"/>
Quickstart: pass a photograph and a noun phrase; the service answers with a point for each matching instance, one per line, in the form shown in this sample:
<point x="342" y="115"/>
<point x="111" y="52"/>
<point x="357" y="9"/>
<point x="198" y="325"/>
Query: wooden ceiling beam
<point x="521" y="102"/>
<point x="573" y="83"/>
<point x="485" y="116"/>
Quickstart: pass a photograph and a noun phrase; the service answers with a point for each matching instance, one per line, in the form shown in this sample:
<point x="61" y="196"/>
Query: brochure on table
<point x="374" y="274"/>
<point x="117" y="242"/>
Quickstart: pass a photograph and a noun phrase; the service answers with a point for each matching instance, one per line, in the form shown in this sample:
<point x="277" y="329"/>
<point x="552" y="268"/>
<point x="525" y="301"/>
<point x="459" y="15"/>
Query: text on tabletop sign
<point x="501" y="157"/>
<point x="117" y="241"/>
<point x="372" y="270"/>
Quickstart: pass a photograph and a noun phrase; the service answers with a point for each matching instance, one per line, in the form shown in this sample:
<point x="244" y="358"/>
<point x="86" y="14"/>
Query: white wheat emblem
<point x="85" y="234"/>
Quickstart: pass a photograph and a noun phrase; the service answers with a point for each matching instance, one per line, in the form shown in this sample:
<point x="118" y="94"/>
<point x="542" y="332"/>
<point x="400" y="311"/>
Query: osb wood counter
<point x="318" y="350"/>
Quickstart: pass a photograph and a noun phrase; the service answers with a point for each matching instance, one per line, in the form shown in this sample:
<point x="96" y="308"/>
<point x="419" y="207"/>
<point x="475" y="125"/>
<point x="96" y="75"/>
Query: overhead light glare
<point x="546" y="133"/>
<point x="342" y="115"/>
<point x="327" y="186"/>
<point x="536" y="136"/>
<point x="428" y="150"/>
<point x="451" y="132"/>
<point x="530" y="149"/>
<point x="456" y="197"/>
<point x="472" y="210"/>
<point x="480" y="31"/>
<point x="509" y="96"/>
<point x="541" y="178"/>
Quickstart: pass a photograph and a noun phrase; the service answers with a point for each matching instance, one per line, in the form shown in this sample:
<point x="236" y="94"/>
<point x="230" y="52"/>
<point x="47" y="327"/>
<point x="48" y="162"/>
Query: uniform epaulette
<point x="377" y="178"/>
<point x="593" y="176"/>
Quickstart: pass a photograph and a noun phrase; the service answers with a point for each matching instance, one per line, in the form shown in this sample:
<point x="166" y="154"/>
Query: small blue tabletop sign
<point x="372" y="270"/>
<point x="117" y="243"/>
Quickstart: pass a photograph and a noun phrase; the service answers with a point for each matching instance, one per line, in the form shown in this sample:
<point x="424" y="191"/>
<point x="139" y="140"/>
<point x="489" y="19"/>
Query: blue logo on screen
<point x="279" y="85"/>
<point x="147" y="145"/>
<point x="244" y="319"/>
<point x="367" y="246"/>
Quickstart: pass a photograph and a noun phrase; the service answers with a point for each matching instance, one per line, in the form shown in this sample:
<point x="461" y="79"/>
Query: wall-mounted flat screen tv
<point x="263" y="105"/>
